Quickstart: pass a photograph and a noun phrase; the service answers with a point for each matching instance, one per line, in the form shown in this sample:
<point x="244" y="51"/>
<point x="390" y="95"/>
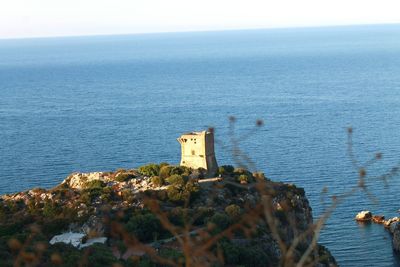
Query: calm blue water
<point x="101" y="103"/>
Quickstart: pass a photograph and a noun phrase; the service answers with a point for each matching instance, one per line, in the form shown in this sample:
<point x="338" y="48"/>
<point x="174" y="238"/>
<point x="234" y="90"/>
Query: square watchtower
<point x="198" y="151"/>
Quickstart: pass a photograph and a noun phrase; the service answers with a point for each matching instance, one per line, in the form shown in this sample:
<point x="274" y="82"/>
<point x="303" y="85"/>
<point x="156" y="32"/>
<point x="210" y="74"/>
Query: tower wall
<point x="197" y="150"/>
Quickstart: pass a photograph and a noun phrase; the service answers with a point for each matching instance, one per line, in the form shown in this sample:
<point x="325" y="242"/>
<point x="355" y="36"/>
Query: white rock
<point x="74" y="239"/>
<point x="364" y="215"/>
<point x="77" y="180"/>
<point x="92" y="241"/>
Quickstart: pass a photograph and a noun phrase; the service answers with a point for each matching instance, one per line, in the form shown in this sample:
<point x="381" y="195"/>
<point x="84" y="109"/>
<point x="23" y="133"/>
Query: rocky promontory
<point x="160" y="215"/>
<point x="392" y="224"/>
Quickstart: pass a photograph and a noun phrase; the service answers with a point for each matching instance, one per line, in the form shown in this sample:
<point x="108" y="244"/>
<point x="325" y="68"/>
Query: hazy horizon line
<point x="203" y="31"/>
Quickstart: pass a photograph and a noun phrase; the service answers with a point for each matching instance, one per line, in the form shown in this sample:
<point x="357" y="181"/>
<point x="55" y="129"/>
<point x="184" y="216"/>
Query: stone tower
<point x="198" y="151"/>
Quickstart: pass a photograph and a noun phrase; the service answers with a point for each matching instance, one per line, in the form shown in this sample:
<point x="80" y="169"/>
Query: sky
<point x="45" y="18"/>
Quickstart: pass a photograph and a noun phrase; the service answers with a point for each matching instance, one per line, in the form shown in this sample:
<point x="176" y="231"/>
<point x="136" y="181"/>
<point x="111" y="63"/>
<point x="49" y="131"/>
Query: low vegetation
<point x="158" y="215"/>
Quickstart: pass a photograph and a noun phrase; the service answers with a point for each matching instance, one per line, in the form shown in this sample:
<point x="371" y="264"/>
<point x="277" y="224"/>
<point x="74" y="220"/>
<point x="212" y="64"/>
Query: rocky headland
<point x="392" y="224"/>
<point x="160" y="215"/>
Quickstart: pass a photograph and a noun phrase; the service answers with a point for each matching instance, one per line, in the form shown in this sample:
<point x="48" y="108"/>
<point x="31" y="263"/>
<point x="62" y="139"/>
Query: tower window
<point x="193" y="152"/>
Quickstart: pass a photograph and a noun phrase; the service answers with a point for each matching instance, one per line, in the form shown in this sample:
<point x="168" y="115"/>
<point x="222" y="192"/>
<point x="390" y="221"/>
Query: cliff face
<point x="160" y="215"/>
<point x="395" y="230"/>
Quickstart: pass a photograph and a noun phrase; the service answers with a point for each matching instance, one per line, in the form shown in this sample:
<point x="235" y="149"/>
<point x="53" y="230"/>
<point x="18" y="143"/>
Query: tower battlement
<point x="198" y="151"/>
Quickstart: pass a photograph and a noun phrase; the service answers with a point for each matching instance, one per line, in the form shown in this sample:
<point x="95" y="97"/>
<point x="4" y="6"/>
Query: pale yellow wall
<point x="198" y="151"/>
<point x="194" y="143"/>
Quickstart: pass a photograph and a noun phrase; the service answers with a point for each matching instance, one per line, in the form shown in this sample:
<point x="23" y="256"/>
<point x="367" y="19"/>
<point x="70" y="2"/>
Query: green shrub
<point x="176" y="180"/>
<point x="187" y="171"/>
<point x="178" y="216"/>
<point x="157" y="181"/>
<point x="243" y="179"/>
<point x="123" y="177"/>
<point x="181" y="170"/>
<point x="161" y="195"/>
<point x="6" y="258"/>
<point x="175" y="194"/>
<point x="68" y="213"/>
<point x="69" y="255"/>
<point x="202" y="172"/>
<point x="240" y="255"/>
<point x="234" y="189"/>
<point x="93" y="184"/>
<point x="100" y="255"/>
<point x="10" y="229"/>
<point x="202" y="214"/>
<point x="88" y="195"/>
<point x="225" y="169"/>
<point x="254" y="256"/>
<point x="151" y="169"/>
<point x="62" y="193"/>
<point x="55" y="226"/>
<point x="296" y="190"/>
<point x="11" y="206"/>
<point x="281" y="216"/>
<point x="127" y="195"/>
<point x="166" y="171"/>
<point x="162" y="164"/>
<point x="239" y="171"/>
<point x="143" y="261"/>
<point x="107" y="194"/>
<point x="146" y="227"/>
<point x="231" y="253"/>
<point x="193" y="188"/>
<point x="173" y="254"/>
<point x="51" y="209"/>
<point x="169" y="170"/>
<point x="233" y="211"/>
<point x="3" y="213"/>
<point x="180" y="192"/>
<point x="32" y="207"/>
<point x="260" y="176"/>
<point x="221" y="221"/>
<point x="85" y="198"/>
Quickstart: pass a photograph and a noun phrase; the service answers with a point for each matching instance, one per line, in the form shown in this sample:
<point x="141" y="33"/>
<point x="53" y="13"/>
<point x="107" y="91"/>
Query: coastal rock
<point x="390" y="221"/>
<point x="393" y="226"/>
<point x="396" y="236"/>
<point x="378" y="219"/>
<point x="364" y="216"/>
<point x="78" y="180"/>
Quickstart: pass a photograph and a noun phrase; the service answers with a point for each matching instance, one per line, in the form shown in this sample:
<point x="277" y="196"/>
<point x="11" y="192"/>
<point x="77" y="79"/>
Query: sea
<point x="99" y="103"/>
